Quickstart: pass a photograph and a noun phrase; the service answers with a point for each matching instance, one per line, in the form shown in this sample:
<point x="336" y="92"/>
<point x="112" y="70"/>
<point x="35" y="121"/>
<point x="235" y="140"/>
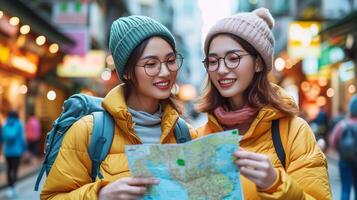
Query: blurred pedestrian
<point x="14" y="145"/>
<point x="336" y="119"/>
<point x="344" y="139"/>
<point x="320" y="125"/>
<point x="143" y="108"/>
<point x="238" y="95"/>
<point x="33" y="134"/>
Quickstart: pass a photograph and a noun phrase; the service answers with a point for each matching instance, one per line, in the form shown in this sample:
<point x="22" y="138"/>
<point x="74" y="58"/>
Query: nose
<point x="164" y="70"/>
<point x="222" y="69"/>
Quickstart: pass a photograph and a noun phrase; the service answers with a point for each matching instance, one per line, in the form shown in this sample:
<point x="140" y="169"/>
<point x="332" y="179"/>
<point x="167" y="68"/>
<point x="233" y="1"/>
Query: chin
<point x="162" y="95"/>
<point x="229" y="93"/>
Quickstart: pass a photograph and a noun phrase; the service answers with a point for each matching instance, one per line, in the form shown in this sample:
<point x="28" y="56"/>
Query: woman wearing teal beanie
<point x="143" y="108"/>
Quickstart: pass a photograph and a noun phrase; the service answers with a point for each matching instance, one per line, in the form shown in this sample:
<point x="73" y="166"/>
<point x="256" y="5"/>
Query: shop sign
<point x="4" y="54"/>
<point x="336" y="54"/>
<point x="346" y="71"/>
<point x="303" y="39"/>
<point x="13" y="58"/>
<point x="6" y="27"/>
<point x="70" y="12"/>
<point x="81" y="38"/>
<point x="90" y="65"/>
<point x="23" y="63"/>
<point x="330" y="55"/>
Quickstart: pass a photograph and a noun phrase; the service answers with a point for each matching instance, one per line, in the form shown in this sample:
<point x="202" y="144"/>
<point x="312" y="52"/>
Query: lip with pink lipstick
<point x="226" y="82"/>
<point x="162" y="85"/>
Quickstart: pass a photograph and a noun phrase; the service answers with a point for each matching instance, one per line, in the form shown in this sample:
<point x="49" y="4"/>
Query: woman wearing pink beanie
<point x="282" y="164"/>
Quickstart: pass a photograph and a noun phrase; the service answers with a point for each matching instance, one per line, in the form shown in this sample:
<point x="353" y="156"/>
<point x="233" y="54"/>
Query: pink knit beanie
<point x="254" y="27"/>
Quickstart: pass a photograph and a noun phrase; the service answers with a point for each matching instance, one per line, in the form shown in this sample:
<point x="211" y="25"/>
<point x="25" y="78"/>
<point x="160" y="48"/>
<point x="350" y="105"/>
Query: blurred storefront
<point x="40" y="43"/>
<point x="341" y="58"/>
<point x="30" y="49"/>
<point x="17" y="63"/>
<point x="88" y="65"/>
<point x="12" y="91"/>
<point x="319" y="64"/>
<point x="299" y="69"/>
<point x="310" y="49"/>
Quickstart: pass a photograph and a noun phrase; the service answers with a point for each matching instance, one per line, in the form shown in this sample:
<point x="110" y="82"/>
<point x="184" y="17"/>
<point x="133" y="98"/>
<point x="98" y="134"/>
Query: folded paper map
<point x="199" y="169"/>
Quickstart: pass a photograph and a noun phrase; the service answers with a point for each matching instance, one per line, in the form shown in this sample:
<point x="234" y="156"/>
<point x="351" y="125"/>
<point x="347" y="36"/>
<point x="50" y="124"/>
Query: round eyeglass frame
<point x="206" y="65"/>
<point x="178" y="57"/>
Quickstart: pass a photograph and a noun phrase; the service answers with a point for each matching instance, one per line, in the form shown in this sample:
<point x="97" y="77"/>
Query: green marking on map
<point x="64" y="7"/>
<point x="77" y="7"/>
<point x="235" y="132"/>
<point x="181" y="162"/>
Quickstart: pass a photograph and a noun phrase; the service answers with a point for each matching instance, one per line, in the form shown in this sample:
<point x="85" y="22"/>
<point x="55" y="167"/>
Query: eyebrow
<point x="230" y="51"/>
<point x="152" y="56"/>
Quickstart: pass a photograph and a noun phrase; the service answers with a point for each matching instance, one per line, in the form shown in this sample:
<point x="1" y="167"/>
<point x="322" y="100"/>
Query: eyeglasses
<point x="153" y="65"/>
<point x="231" y="61"/>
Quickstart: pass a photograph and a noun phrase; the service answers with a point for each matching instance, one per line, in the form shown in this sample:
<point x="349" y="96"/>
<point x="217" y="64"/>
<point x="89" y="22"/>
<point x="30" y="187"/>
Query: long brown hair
<point x="131" y="84"/>
<point x="258" y="94"/>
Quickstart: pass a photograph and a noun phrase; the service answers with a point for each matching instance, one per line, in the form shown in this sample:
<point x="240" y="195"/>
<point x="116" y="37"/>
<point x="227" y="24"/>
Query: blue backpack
<point x="347" y="145"/>
<point x="76" y="107"/>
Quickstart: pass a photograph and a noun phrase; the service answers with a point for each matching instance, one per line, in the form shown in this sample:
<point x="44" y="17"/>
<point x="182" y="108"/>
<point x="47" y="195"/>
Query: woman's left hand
<point x="256" y="167"/>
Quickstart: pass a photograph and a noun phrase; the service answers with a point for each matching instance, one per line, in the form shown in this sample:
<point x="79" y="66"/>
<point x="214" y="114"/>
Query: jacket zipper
<point x="171" y="131"/>
<point x="132" y="133"/>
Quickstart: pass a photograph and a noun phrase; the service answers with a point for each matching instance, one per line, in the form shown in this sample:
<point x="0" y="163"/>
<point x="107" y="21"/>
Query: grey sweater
<point x="147" y="126"/>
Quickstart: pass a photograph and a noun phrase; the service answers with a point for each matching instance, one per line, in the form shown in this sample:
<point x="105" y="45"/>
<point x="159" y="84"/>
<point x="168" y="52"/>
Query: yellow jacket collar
<point x="263" y="120"/>
<point x="114" y="102"/>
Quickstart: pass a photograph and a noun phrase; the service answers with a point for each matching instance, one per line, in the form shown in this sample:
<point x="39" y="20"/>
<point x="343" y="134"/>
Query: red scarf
<point x="240" y="119"/>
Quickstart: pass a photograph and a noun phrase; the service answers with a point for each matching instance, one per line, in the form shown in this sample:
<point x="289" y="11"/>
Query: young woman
<point x="143" y="109"/>
<point x="239" y="51"/>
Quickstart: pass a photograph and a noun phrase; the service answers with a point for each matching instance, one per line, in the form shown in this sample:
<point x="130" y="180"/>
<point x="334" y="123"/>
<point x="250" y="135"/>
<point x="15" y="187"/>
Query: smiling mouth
<point x="227" y="82"/>
<point x="162" y="85"/>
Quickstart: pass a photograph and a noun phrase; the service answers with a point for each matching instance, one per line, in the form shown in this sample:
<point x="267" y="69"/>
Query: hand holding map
<point x="199" y="169"/>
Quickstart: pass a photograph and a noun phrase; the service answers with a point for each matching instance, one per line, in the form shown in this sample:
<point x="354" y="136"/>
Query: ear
<point x="258" y="64"/>
<point x="126" y="77"/>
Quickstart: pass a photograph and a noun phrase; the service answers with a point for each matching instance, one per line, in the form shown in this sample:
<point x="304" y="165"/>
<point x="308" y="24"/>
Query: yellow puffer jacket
<point x="69" y="177"/>
<point x="305" y="176"/>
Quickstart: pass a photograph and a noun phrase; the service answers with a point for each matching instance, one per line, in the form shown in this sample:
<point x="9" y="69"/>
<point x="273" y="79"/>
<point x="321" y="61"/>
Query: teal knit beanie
<point x="128" y="32"/>
<point x="352" y="106"/>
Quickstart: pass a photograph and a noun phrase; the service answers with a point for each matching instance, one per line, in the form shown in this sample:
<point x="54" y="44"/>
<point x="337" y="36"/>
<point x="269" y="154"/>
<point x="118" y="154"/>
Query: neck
<point x="236" y="102"/>
<point x="142" y="103"/>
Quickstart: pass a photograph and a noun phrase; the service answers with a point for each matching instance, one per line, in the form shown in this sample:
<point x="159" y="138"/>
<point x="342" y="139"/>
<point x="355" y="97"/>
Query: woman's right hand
<point x="126" y="188"/>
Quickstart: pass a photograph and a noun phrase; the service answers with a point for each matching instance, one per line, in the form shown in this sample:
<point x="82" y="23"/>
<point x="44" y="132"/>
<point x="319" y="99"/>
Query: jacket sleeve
<point x="306" y="176"/>
<point x="69" y="177"/>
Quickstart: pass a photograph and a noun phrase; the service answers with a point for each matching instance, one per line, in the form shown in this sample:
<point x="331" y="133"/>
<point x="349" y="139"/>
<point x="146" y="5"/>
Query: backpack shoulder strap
<point x="101" y="140"/>
<point x="181" y="131"/>
<point x="344" y="124"/>
<point x="51" y="137"/>
<point x="345" y="127"/>
<point x="277" y="142"/>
